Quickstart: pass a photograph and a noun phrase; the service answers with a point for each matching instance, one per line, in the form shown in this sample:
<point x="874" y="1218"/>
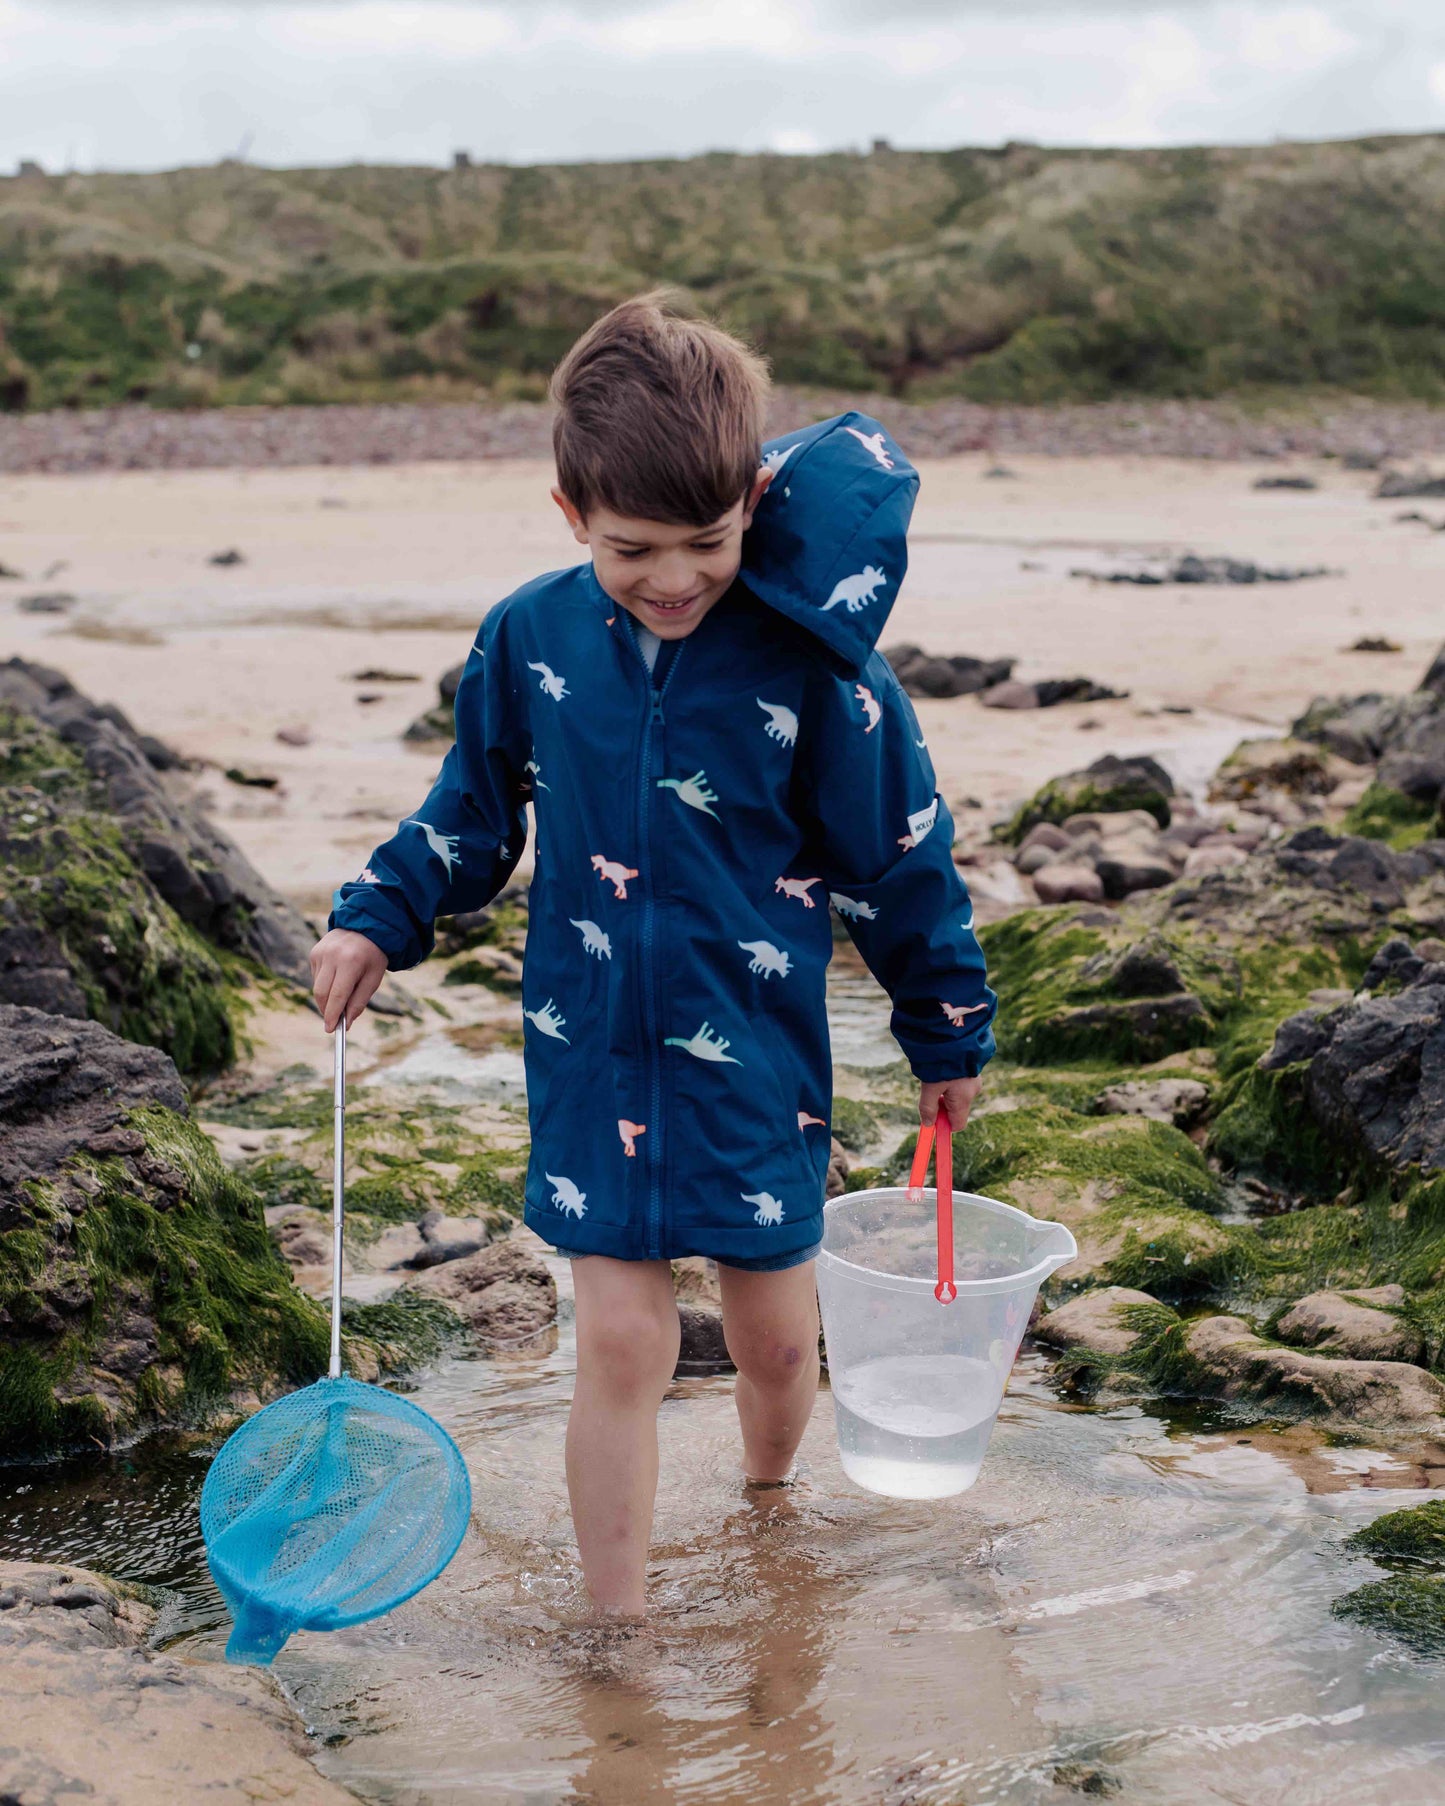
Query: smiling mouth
<point x="673" y="608"/>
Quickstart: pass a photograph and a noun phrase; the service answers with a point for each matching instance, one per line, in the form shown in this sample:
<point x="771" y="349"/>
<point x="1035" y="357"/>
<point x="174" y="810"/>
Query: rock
<point x="1054" y="690"/>
<point x="95" y="1712"/>
<point x="439" y="723"/>
<point x="1045" y="834"/>
<point x="46" y="602"/>
<point x="1415" y="761"/>
<point x="1359" y="1324"/>
<point x="227" y="559"/>
<point x="1147" y="968"/>
<point x="1376" y="1071"/>
<point x="1124" y="869"/>
<point x="143" y="1267"/>
<point x="836" y="1182"/>
<point x="1091" y="1322"/>
<point x="1145" y="1030"/>
<point x="302" y="1238"/>
<point x="397" y="1247"/>
<point x="929" y="674"/>
<point x="1110" y="786"/>
<point x="703" y="1347"/>
<point x="299" y="735"/>
<point x="1214" y="858"/>
<point x="187" y="861"/>
<point x="1395" y="965"/>
<point x="1361" y="729"/>
<point x="1179" y="1101"/>
<point x="1241" y="1365"/>
<point x="1396" y="485"/>
<point x="1374" y="642"/>
<point x="1301" y="483"/>
<point x="447" y="1238"/>
<point x="1010" y="695"/>
<point x="1293" y="766"/>
<point x="504" y="1292"/>
<point x="1191" y="568"/>
<point x="1069" y="883"/>
<point x="1433" y="682"/>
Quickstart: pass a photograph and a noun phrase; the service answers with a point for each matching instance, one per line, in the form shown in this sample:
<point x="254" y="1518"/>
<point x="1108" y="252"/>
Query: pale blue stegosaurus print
<point x="705" y="1045"/>
<point x="693" y="791"/>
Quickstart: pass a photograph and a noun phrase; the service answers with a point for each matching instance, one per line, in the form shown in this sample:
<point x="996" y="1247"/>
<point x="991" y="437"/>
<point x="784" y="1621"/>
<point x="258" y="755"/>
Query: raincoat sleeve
<point x="884" y="840"/>
<point x="461" y="846"/>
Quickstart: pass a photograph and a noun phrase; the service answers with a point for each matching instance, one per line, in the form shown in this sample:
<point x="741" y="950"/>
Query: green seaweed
<point x="1409" y="1607"/>
<point x="1414" y="1535"/>
<point x="404" y="1333"/>
<point x="1383" y="813"/>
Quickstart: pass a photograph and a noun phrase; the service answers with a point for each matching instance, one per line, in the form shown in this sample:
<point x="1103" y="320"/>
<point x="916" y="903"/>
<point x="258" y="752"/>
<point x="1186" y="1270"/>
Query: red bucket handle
<point x="941" y="1131"/>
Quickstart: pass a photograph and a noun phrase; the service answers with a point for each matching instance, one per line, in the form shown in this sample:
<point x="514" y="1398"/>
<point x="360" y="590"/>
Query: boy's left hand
<point x="956" y="1096"/>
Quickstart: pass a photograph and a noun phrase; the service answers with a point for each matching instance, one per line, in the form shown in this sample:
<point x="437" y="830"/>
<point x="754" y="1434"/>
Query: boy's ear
<point x="575" y="520"/>
<point x="756" y="494"/>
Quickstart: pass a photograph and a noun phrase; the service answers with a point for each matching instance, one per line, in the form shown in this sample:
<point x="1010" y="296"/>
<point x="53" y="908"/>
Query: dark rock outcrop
<point x="504" y="1292"/>
<point x="935" y="674"/>
<point x="1110" y="786"/>
<point x="439" y="722"/>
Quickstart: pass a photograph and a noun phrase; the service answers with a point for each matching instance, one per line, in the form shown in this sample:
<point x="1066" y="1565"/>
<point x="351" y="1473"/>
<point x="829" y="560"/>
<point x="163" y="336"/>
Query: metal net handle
<point x="945" y="1291"/>
<point x="338" y="1190"/>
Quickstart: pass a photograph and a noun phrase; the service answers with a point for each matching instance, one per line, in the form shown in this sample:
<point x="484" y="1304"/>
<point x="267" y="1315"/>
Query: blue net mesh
<point x="329" y="1507"/>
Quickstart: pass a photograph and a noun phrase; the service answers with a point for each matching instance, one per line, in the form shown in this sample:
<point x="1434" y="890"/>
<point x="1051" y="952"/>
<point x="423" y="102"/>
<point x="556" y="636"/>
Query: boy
<point x="714" y="752"/>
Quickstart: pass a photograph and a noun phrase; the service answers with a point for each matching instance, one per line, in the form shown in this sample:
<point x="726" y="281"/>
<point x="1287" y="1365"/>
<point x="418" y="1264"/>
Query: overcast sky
<point x="152" y="84"/>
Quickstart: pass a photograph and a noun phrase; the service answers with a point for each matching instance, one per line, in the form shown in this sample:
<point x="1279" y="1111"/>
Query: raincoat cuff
<point x="384" y="923"/>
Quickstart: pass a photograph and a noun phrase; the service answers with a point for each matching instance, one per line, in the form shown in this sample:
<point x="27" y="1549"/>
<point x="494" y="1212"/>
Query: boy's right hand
<point x="346" y="969"/>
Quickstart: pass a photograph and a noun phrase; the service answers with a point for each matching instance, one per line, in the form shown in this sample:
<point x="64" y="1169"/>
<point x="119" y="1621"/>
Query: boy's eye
<point x="641" y="552"/>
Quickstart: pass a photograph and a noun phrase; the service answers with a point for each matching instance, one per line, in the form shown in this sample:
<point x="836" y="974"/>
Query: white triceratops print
<point x="443" y="845"/>
<point x="852" y="908"/>
<point x="873" y="442"/>
<point x="566" y="1196"/>
<point x="767" y="959"/>
<point x="775" y="460"/>
<point x="629" y="1131"/>
<point x="872" y="708"/>
<point x="594" y="940"/>
<point x="858" y="590"/>
<point x="705" y="1045"/>
<point x="549" y="683"/>
<point x="693" y="791"/>
<point x="956" y="1012"/>
<point x="549" y="1021"/>
<point x="797" y="887"/>
<point x="615" y="874"/>
<point x="769" y="1210"/>
<point x="367" y="876"/>
<point x="781" y="723"/>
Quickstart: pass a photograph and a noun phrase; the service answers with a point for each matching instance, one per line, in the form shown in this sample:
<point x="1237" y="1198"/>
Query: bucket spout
<point x="1052" y="1243"/>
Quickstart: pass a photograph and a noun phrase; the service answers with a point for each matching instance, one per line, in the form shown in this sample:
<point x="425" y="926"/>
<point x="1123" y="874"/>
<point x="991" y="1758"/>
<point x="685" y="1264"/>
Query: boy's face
<point x="665" y="577"/>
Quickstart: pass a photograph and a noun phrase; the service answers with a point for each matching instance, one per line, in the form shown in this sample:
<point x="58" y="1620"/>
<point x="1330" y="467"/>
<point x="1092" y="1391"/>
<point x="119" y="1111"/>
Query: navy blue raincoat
<point x="696" y="829"/>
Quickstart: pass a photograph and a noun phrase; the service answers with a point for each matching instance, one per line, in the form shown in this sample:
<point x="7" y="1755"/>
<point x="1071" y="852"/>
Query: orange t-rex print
<point x="956" y="1012"/>
<point x="797" y="887"/>
<point x="628" y="1131"/>
<point x="616" y="874"/>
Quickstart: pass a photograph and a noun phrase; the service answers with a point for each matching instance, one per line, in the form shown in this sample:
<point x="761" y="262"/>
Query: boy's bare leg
<point x="627" y="1343"/>
<point x="770" y="1321"/>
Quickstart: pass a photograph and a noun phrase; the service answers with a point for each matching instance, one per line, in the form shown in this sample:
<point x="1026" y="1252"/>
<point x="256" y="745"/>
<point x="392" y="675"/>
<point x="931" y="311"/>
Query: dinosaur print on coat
<point x="615" y="874"/>
<point x="693" y="791"/>
<point x="705" y="1045"/>
<point x="677" y="972"/>
<point x="775" y="460"/>
<point x="566" y="1197"/>
<point x="767" y="959"/>
<point x="548" y="1021"/>
<point x="852" y="908"/>
<point x="594" y="941"/>
<point x="781" y="724"/>
<point x="443" y="845"/>
<point x="871" y="707"/>
<point x="769" y="1210"/>
<point x="873" y="442"/>
<point x="797" y="887"/>
<point x="549" y="683"/>
<point x="367" y="876"/>
<point x="857" y="591"/>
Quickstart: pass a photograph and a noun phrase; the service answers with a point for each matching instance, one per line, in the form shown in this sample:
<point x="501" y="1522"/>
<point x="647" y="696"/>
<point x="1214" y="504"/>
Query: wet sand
<point x="349" y="569"/>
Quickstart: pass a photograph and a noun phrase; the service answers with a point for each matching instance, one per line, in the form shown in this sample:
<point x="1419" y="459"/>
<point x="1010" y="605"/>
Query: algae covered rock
<point x="1410" y="1602"/>
<point x="1108" y="786"/>
<point x="505" y="1292"/>
<point x="1093" y="1321"/>
<point x="137" y="1280"/>
<point x="1178" y="1101"/>
<point x="1363" y="1324"/>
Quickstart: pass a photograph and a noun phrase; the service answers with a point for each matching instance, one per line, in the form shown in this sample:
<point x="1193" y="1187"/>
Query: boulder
<point x="1125" y="867"/>
<point x="447" y="1238"/>
<point x="1293" y="766"/>
<point x="141" y="1281"/>
<point x="1214" y="858"/>
<point x="504" y="1292"/>
<point x="1178" y="1101"/>
<point x="703" y="1347"/>
<point x="1238" y="1364"/>
<point x="1091" y="1322"/>
<point x="1415" y="762"/>
<point x="439" y="722"/>
<point x="1434" y="679"/>
<point x="930" y="674"/>
<point x="1067" y="882"/>
<point x="1011" y="695"/>
<point x="1361" y="729"/>
<point x="1359" y="1324"/>
<point x="1110" y="785"/>
<point x="97" y="1712"/>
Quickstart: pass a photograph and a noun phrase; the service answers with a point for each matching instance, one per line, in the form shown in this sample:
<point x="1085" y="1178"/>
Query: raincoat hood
<point x="828" y="546"/>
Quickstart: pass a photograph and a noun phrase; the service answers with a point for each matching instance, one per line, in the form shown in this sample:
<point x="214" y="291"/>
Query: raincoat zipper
<point x="652" y="1028"/>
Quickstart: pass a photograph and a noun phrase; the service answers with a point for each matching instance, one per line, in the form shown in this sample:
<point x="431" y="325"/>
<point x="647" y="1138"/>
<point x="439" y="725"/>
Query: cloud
<point x="147" y="84"/>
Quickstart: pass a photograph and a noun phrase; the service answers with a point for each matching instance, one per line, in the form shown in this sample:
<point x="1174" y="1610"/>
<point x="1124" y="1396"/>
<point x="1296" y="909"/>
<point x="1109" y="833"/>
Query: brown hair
<point x="659" y="416"/>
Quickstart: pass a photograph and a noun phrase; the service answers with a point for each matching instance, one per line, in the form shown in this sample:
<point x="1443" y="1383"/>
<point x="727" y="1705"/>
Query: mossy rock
<point x="1410" y="1607"/>
<point x="1401" y="821"/>
<point x="403" y="1334"/>
<point x="143" y="1288"/>
<point x="1109" y="786"/>
<point x="854" y="1124"/>
<point x="1415" y="1535"/>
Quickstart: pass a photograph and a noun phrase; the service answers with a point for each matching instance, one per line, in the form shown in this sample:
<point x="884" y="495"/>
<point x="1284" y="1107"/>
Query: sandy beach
<point x="362" y="569"/>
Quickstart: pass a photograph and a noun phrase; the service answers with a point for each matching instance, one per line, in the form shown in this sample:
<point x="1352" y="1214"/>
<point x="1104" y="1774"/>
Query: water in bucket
<point x="925" y="1297"/>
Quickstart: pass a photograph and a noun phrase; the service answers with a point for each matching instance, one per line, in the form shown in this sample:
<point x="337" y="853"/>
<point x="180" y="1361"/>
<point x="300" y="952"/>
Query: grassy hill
<point x="1016" y="274"/>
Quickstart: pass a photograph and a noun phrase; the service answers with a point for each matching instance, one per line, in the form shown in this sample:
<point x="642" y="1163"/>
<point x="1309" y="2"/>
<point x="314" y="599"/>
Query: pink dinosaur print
<point x="956" y="1012"/>
<point x="797" y="887"/>
<point x="871" y="706"/>
<point x="628" y="1131"/>
<point x="617" y="875"/>
<point x="811" y="1122"/>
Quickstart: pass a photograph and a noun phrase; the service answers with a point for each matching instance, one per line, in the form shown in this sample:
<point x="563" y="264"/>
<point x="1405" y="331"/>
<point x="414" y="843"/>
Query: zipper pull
<point x="657" y="708"/>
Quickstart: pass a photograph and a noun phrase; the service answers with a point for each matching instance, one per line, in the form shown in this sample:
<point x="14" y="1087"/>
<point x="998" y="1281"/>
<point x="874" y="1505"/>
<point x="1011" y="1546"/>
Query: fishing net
<point x="329" y="1507"/>
<point x="334" y="1504"/>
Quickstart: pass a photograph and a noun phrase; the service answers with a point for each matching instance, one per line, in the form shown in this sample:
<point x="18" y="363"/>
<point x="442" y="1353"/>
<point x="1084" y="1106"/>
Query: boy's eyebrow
<point x="621" y="539"/>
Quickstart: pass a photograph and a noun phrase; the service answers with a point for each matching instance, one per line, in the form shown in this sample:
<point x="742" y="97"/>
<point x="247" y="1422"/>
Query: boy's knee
<point x="777" y="1363"/>
<point x="633" y="1351"/>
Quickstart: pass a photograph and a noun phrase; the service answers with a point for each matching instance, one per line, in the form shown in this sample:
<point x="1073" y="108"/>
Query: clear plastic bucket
<point x="916" y="1382"/>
